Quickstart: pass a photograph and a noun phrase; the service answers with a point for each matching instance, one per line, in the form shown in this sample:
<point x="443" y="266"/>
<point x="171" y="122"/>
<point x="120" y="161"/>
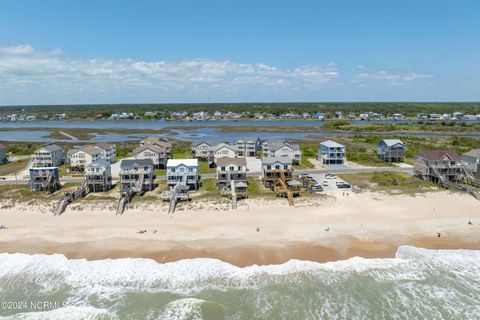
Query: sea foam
<point x="416" y="284"/>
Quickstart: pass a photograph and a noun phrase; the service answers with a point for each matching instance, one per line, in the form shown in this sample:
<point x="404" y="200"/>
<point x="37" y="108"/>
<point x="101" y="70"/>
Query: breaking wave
<point x="416" y="284"/>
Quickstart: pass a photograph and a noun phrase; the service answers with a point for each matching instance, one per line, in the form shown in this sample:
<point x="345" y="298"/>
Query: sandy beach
<point x="258" y="232"/>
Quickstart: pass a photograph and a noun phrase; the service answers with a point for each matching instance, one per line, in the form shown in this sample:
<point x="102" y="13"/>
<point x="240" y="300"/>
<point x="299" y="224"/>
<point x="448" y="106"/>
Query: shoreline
<point x="240" y="255"/>
<point x="369" y="225"/>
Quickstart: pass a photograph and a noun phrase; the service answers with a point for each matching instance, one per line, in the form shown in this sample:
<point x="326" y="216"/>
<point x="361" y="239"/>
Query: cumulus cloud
<point x="23" y="66"/>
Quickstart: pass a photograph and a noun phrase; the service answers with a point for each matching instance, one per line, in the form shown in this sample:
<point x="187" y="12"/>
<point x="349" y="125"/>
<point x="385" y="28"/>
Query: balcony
<point x="231" y="176"/>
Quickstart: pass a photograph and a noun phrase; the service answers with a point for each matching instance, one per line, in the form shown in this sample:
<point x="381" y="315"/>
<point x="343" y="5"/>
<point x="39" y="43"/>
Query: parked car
<point x="330" y="176"/>
<point x="325" y="183"/>
<point x="317" y="188"/>
<point x="343" y="185"/>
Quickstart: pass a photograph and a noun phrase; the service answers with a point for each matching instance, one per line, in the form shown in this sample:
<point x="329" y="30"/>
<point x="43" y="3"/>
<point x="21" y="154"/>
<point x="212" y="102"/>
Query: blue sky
<point x="226" y="51"/>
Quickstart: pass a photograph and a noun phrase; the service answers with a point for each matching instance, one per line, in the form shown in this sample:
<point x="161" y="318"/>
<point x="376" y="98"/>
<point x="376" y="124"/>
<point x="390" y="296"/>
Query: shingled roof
<point x="437" y="155"/>
<point x="235" y="161"/>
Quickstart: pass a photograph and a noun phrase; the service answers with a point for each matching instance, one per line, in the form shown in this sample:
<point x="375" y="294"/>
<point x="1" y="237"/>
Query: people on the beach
<point x="439" y="234"/>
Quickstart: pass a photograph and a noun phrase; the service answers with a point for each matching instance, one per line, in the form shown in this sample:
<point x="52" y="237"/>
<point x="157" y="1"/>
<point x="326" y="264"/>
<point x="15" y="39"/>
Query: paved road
<point x="253" y="174"/>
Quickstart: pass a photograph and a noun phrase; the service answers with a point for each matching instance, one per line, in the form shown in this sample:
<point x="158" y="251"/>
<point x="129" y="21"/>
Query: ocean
<point x="416" y="284"/>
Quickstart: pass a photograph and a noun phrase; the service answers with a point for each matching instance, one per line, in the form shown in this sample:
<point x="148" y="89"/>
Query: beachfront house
<point x="200" y="150"/>
<point x="438" y="165"/>
<point x="136" y="173"/>
<point x="274" y="168"/>
<point x="232" y="169"/>
<point x="183" y="171"/>
<point x="248" y="146"/>
<point x="331" y="152"/>
<point x="221" y="150"/>
<point x="3" y="154"/>
<point x="44" y="178"/>
<point x="79" y="158"/>
<point x="391" y="150"/>
<point x="109" y="151"/>
<point x="472" y="160"/>
<point x="158" y="141"/>
<point x="283" y="148"/>
<point x="156" y="153"/>
<point x="98" y="176"/>
<point x="48" y="156"/>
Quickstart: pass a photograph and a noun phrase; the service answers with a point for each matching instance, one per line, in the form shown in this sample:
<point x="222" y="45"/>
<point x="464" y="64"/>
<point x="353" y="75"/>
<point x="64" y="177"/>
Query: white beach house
<point x="331" y="152"/>
<point x="183" y="171"/>
<point x="48" y="156"/>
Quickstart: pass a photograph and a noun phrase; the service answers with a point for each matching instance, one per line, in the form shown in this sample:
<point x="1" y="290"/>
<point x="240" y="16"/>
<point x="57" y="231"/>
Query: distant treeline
<point x="407" y="108"/>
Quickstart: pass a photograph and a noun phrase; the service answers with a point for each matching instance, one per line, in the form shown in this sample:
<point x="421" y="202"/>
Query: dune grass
<point x="391" y="182"/>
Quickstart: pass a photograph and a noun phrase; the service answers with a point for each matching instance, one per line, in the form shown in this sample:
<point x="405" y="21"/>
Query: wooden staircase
<point x="281" y="186"/>
<point x="126" y="197"/>
<point x="174" y="193"/>
<point x="452" y="185"/>
<point x="69" y="197"/>
<point x="234" y="194"/>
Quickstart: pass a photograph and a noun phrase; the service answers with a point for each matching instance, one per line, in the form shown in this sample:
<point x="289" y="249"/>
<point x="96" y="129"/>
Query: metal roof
<point x="392" y="142"/>
<point x="332" y="144"/>
<point x="185" y="162"/>
<point x="273" y="160"/>
<point x="128" y="163"/>
<point x="100" y="163"/>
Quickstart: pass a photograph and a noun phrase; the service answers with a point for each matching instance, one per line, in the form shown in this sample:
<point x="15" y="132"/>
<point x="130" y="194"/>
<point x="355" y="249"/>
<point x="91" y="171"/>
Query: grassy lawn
<point x="204" y="168"/>
<point x="391" y="182"/>
<point x="12" y="167"/>
<point x="72" y="184"/>
<point x="256" y="189"/>
<point x="209" y="185"/>
<point x="308" y="151"/>
<point x="182" y="151"/>
<point x="160" y="172"/>
<point x="208" y="189"/>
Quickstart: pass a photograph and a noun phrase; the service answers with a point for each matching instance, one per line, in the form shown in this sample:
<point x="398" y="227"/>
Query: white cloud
<point x="393" y="77"/>
<point x="25" y="67"/>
